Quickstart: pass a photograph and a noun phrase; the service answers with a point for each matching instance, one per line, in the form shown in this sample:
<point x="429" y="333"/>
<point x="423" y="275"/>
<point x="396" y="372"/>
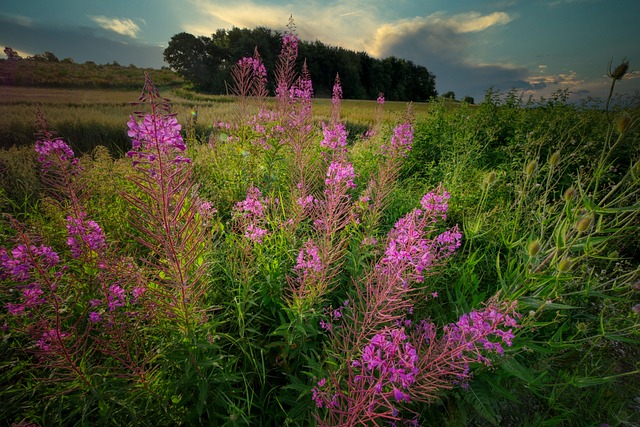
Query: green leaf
<point x="482" y="401"/>
<point x="582" y="382"/>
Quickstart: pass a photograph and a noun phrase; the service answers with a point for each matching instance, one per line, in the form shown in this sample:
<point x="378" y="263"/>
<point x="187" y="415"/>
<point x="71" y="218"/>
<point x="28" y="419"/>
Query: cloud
<point x="123" y="26"/>
<point x="345" y="24"/>
<point x="446" y="44"/>
<point x="80" y="43"/>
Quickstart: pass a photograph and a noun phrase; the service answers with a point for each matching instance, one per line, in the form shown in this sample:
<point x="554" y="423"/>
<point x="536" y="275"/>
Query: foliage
<point x="207" y="62"/>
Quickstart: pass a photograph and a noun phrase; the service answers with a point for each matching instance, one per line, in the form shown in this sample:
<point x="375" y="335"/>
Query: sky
<point x="537" y="47"/>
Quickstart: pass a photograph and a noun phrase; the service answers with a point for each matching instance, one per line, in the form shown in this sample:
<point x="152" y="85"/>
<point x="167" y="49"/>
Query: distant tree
<point x="68" y="61"/>
<point x="469" y="100"/>
<point x="449" y="95"/>
<point x="206" y="62"/>
<point x="45" y="57"/>
<point x="197" y="59"/>
<point x="12" y="55"/>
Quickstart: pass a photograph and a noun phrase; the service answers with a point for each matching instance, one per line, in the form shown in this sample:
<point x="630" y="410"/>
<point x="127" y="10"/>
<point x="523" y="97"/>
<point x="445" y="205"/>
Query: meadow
<point x="287" y="260"/>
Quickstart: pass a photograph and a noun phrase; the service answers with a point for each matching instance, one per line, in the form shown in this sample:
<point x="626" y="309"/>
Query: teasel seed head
<point x="584" y="224"/>
<point x="619" y="72"/>
<point x="623" y="123"/>
<point x="569" y="194"/>
<point x="488" y="180"/>
<point x="565" y="265"/>
<point x="555" y="158"/>
<point x="531" y="167"/>
<point x="534" y="248"/>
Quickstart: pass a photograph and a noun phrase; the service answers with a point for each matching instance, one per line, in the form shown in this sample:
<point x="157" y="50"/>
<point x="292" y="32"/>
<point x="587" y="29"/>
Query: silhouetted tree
<point x="206" y="62"/>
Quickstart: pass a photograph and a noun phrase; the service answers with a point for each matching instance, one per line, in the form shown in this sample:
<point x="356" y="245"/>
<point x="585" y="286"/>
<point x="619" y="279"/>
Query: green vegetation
<point x="47" y="71"/>
<point x="546" y="195"/>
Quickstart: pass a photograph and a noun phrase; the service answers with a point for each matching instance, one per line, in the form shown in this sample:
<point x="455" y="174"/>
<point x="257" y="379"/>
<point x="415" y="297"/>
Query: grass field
<point x="180" y="314"/>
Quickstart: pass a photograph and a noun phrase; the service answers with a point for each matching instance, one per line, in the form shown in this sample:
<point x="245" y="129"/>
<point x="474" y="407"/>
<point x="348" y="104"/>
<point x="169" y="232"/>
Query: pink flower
<point x="95" y="317"/>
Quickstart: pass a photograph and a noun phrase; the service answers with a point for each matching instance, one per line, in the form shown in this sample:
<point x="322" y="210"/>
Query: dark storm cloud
<point x="79" y="43"/>
<point x="443" y="47"/>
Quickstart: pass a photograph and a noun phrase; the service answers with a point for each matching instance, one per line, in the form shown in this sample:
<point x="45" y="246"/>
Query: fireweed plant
<point x="303" y="308"/>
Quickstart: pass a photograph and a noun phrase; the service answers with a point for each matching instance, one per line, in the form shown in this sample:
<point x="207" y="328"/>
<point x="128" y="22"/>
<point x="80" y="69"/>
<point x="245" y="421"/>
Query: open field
<point x="472" y="266"/>
<point x="90" y="117"/>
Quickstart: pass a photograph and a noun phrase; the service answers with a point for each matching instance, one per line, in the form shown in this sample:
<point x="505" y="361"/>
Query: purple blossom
<point x="31" y="295"/>
<point x="84" y="234"/>
<point x="50" y="340"/>
<point x="401" y="140"/>
<point x="449" y="241"/>
<point x="337" y="91"/>
<point x="138" y="292"/>
<point x="117" y="297"/>
<point x="50" y="148"/>
<point x="250" y="213"/>
<point x="156" y="135"/>
<point x="255" y="233"/>
<point x="389" y="362"/>
<point x="18" y="265"/>
<point x="309" y="260"/>
<point x="436" y="202"/>
<point x="95" y="317"/>
<point x="252" y="206"/>
<point x="340" y="173"/>
<point x="380" y="99"/>
<point x="480" y="331"/>
<point x="334" y="136"/>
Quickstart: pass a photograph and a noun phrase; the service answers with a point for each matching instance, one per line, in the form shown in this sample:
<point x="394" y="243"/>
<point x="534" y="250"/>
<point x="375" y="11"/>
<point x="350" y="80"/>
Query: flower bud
<point x="534" y="248"/>
<point x="584" y="224"/>
<point x="564" y="265"/>
<point x="531" y="167"/>
<point x="555" y="158"/>
<point x="623" y="123"/>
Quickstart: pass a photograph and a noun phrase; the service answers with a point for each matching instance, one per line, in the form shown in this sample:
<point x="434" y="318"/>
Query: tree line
<point x="206" y="62"/>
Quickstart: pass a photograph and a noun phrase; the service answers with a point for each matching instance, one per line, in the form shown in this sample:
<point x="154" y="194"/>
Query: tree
<point x="449" y="95"/>
<point x="12" y="55"/>
<point x="45" y="57"/>
<point x="207" y="63"/>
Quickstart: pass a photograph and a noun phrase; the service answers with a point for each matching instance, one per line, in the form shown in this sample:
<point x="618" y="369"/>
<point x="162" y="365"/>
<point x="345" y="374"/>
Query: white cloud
<point x="123" y="26"/>
<point x="346" y="24"/>
<point x="443" y="33"/>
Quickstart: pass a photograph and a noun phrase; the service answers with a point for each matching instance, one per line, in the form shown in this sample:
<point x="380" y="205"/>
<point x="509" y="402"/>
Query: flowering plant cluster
<point x="195" y="328"/>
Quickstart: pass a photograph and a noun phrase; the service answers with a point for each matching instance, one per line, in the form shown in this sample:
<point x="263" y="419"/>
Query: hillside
<point x="66" y="73"/>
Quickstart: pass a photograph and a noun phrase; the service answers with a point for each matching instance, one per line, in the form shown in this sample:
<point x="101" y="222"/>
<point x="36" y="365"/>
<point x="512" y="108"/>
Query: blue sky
<point x="535" y="46"/>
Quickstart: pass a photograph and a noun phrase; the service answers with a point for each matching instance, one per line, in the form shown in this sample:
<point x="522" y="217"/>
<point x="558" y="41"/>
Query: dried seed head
<point x="569" y="194"/>
<point x="584" y="224"/>
<point x="531" y="167"/>
<point x="534" y="248"/>
<point x="619" y="71"/>
<point x="555" y="158"/>
<point x="564" y="265"/>
<point x="623" y="123"/>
